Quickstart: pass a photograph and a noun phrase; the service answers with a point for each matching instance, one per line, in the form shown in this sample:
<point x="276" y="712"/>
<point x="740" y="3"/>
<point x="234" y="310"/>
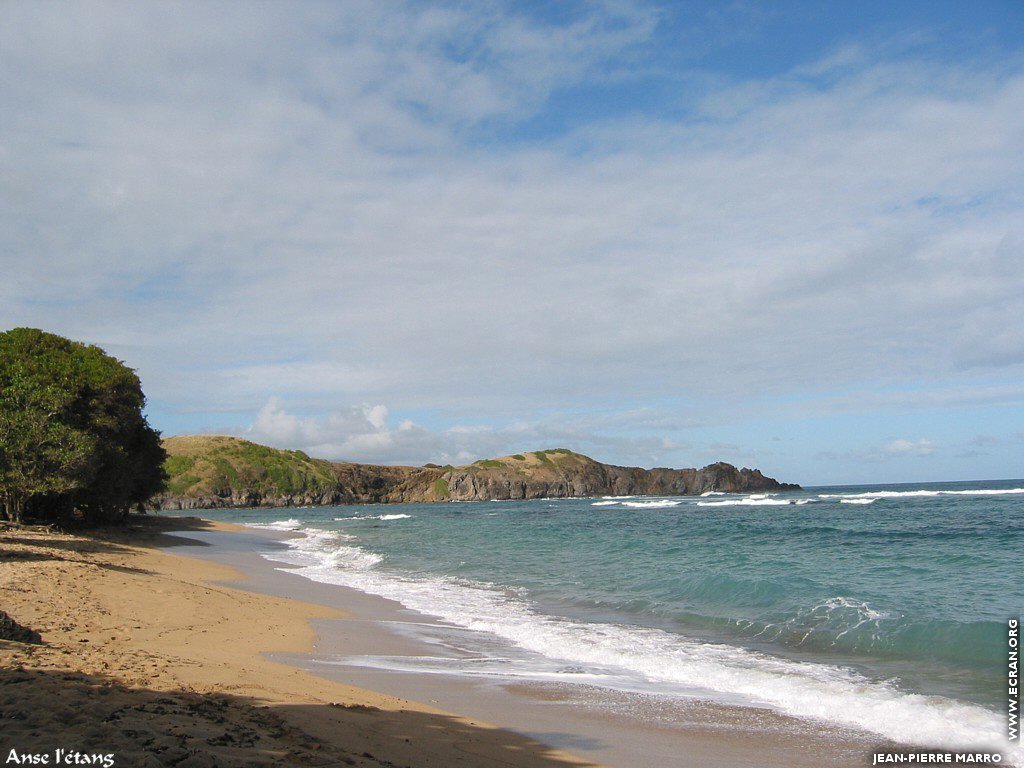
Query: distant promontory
<point x="207" y="471"/>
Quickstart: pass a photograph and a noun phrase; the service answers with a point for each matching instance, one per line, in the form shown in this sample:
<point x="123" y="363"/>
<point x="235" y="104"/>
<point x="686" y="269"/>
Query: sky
<point x="787" y="235"/>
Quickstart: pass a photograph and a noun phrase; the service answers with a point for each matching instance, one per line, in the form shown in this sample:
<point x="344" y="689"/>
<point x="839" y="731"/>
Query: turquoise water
<point x="879" y="607"/>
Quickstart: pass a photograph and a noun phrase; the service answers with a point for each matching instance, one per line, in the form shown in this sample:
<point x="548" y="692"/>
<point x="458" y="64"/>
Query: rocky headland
<point x="211" y="471"/>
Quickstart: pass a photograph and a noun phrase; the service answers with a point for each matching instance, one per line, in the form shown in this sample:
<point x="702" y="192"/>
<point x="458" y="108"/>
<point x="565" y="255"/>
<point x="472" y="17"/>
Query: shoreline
<point x="150" y="658"/>
<point x="700" y="733"/>
<point x="267" y="646"/>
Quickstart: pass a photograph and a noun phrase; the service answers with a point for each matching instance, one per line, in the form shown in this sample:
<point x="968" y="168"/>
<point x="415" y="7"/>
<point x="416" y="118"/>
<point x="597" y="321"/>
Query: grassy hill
<point x="215" y="464"/>
<point x="527" y="461"/>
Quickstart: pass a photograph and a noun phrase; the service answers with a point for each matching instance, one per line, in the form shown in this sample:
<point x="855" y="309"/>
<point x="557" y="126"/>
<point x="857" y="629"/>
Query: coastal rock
<point x="217" y="471"/>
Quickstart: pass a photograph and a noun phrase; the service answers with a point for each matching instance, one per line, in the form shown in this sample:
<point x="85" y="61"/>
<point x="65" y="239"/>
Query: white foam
<point x="279" y="525"/>
<point x="655" y="657"/>
<point x="651" y="504"/>
<point x="373" y="517"/>
<point x="754" y="501"/>
<point x="618" y="497"/>
<point x="922" y="494"/>
<point x="713" y="493"/>
<point x="857" y="501"/>
<point x="834" y="614"/>
<point x="325" y="549"/>
<point x="605" y="504"/>
<point x="505" y="668"/>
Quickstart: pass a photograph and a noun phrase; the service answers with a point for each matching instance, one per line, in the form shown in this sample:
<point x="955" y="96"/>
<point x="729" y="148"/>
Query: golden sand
<point x="148" y="660"/>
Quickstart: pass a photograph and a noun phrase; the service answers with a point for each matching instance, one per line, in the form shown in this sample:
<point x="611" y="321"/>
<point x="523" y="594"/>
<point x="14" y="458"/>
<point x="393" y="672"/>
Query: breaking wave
<point x="670" y="662"/>
<point x="923" y="494"/>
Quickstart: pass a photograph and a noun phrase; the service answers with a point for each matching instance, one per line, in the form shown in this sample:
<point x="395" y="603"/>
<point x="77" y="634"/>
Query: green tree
<point x="73" y="438"/>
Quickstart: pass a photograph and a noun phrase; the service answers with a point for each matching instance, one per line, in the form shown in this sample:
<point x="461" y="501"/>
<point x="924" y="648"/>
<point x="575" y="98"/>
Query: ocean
<point x="879" y="608"/>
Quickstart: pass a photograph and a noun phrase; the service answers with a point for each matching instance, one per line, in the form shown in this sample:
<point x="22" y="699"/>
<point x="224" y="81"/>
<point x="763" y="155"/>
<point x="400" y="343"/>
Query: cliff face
<point x="572" y="475"/>
<point x="220" y="471"/>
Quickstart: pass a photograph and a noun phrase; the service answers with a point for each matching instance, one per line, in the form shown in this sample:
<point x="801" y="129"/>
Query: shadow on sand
<point x="43" y="709"/>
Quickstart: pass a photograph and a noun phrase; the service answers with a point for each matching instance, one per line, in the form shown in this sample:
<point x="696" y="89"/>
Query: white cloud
<point x="357" y="431"/>
<point x="894" y="449"/>
<point x="365" y="433"/>
<point x="903" y="447"/>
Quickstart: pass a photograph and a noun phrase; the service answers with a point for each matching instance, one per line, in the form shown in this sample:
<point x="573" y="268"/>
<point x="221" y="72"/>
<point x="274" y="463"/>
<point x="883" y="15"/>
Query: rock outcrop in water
<point x="219" y="471"/>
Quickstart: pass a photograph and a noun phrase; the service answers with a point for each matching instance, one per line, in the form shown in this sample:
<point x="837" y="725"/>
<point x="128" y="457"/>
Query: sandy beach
<point x="146" y="658"/>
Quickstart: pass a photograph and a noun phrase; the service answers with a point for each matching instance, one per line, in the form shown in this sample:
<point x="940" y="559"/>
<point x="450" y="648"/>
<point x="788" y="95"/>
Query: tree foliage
<point x="73" y="438"/>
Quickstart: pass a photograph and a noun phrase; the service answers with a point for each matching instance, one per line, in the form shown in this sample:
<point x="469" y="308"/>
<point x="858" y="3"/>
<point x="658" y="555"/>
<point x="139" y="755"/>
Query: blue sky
<point x="785" y="235"/>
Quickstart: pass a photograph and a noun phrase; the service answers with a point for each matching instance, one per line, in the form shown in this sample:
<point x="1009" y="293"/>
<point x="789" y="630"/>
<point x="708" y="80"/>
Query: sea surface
<point x="881" y="608"/>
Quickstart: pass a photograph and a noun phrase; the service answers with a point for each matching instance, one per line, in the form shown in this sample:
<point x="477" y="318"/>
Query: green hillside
<point x="205" y="465"/>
